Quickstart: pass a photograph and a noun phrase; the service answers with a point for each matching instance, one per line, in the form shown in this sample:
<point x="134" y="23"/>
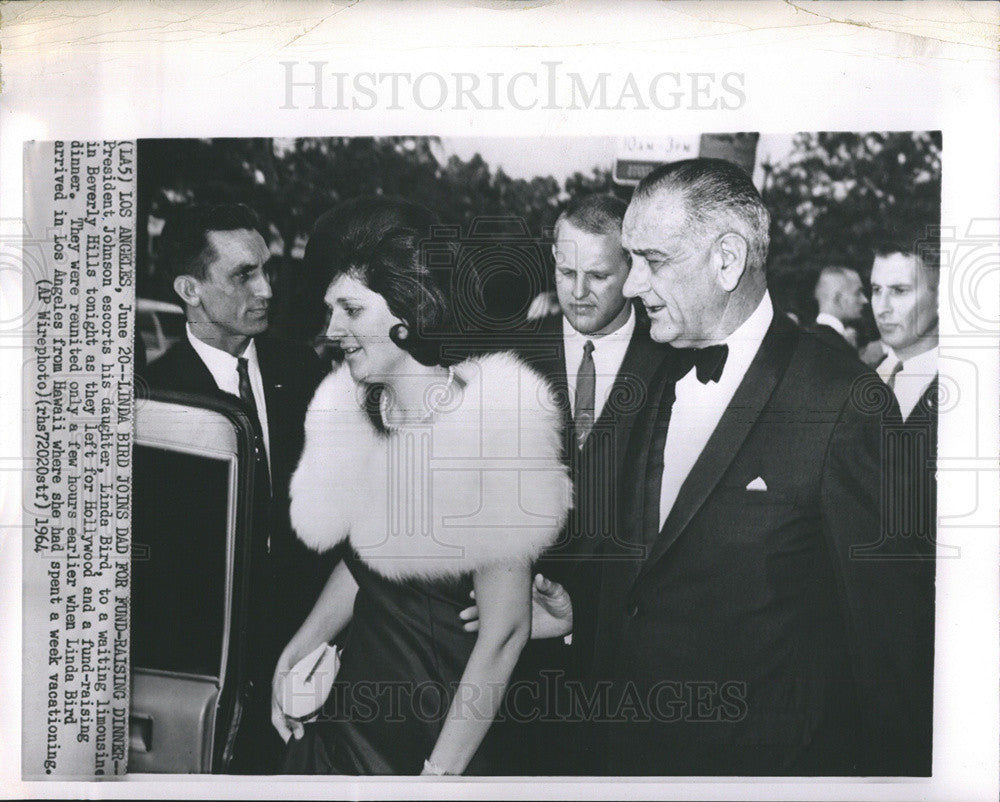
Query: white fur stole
<point x="481" y="484"/>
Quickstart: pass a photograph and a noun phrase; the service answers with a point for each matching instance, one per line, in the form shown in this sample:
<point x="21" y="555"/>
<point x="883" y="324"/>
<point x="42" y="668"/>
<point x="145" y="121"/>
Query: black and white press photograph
<point x="500" y="399"/>
<point x="566" y="456"/>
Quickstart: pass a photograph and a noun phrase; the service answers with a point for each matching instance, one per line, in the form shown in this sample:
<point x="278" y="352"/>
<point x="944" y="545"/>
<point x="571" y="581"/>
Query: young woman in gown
<point x="439" y="477"/>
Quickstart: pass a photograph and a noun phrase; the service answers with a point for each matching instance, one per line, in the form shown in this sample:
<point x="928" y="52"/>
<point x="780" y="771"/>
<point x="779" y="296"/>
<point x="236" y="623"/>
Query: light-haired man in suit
<point x="841" y="299"/>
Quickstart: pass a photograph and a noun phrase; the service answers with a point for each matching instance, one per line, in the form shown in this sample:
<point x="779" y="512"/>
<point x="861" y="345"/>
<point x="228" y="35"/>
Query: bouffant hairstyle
<point x="389" y="246"/>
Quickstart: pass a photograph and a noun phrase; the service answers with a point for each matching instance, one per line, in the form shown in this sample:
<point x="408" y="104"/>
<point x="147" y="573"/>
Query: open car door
<point x="192" y="525"/>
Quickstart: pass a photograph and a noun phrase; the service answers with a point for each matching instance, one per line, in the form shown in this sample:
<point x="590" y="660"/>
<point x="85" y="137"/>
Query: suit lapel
<point x="545" y="352"/>
<point x="631" y="388"/>
<point x="192" y="374"/>
<point x="761" y="378"/>
<point x="271" y="377"/>
<point x="602" y="456"/>
<point x="926" y="407"/>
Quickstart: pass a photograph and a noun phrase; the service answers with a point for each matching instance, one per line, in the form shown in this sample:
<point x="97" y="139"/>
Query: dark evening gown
<point x="402" y="659"/>
<point x="419" y="511"/>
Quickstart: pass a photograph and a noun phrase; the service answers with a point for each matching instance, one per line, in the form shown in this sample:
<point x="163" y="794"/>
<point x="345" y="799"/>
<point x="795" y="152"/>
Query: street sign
<point x="635" y="157"/>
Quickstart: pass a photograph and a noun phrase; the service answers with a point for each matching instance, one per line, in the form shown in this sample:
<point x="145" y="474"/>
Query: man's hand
<point x="551" y="610"/>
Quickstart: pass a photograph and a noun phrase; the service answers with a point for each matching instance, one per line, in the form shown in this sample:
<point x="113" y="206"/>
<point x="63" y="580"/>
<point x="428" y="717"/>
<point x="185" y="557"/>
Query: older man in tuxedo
<point x="218" y="259"/>
<point x="769" y="628"/>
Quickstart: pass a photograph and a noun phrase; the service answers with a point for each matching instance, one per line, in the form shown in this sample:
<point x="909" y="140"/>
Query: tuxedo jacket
<point x="765" y="631"/>
<point x="292" y="575"/>
<point x="831" y="337"/>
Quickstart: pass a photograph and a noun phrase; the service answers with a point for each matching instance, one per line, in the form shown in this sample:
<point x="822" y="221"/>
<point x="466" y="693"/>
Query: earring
<point x="399" y="333"/>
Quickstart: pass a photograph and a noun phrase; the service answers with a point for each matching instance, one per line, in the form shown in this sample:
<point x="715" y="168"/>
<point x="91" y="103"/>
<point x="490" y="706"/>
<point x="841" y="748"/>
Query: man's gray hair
<point x="718" y="196"/>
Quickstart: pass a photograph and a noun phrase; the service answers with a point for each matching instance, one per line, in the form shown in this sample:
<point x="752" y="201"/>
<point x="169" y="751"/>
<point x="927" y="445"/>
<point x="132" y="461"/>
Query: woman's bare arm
<point x="503" y="593"/>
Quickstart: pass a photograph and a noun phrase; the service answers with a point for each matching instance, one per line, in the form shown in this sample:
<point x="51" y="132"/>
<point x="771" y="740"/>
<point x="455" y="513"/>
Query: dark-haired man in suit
<point x="218" y="258"/>
<point x="841" y="300"/>
<point x="759" y="634"/>
<point x="905" y="304"/>
<point x="905" y="276"/>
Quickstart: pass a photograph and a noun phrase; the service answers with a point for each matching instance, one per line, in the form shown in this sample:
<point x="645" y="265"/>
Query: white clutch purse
<point x="303" y="690"/>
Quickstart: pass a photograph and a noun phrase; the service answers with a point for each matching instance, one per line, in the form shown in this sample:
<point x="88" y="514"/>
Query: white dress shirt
<point x="823" y="319"/>
<point x="609" y="353"/>
<point x="915" y="377"/>
<point x="699" y="407"/>
<point x="223" y="367"/>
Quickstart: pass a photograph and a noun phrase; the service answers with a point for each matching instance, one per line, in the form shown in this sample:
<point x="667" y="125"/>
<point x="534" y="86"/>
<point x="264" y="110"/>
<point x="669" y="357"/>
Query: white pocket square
<point x="757" y="484"/>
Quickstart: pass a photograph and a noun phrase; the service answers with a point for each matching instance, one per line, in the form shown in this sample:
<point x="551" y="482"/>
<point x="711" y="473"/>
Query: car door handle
<point x="140" y="732"/>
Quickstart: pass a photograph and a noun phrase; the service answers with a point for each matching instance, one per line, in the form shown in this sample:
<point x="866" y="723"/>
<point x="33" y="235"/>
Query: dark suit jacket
<point x="290" y="373"/>
<point x="595" y="466"/>
<point x="547" y="745"/>
<point x="752" y="640"/>
<point x="831" y="337"/>
<point x="911" y="446"/>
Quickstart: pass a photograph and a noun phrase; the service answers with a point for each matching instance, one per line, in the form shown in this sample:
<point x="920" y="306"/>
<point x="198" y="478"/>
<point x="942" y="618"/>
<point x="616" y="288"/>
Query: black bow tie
<point x="707" y="362"/>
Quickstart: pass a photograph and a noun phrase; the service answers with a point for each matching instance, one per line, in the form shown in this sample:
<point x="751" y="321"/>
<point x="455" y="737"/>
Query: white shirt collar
<point x="223" y="367"/>
<point x="622" y="334"/>
<point x="913" y="380"/>
<point x="744" y="342"/>
<point x="221" y="364"/>
<point x="924" y="364"/>
<point x="834" y="323"/>
<point x="743" y="345"/>
<point x="609" y="354"/>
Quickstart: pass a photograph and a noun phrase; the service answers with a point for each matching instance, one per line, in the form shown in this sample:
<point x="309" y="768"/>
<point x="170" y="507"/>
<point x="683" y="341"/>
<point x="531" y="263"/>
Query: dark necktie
<point x="586" y="379"/>
<point x="246" y="396"/>
<point x="891" y="380"/>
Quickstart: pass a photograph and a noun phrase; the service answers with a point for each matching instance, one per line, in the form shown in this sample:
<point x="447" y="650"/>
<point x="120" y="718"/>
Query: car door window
<point x="179" y="566"/>
<point x="192" y="517"/>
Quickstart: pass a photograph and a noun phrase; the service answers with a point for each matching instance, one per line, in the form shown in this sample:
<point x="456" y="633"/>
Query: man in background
<point x="905" y="277"/>
<point x="841" y="300"/>
<point x="904" y="281"/>
<point x="218" y="258"/>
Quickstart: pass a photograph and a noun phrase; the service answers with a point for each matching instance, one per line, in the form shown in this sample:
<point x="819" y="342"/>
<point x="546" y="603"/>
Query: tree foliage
<point x="837" y="194"/>
<point x="829" y="198"/>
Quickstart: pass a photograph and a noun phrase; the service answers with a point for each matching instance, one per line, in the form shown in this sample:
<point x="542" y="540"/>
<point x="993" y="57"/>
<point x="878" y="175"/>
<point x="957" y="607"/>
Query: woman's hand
<point x="329" y="615"/>
<point x="286" y="726"/>
<point x="551" y="610"/>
